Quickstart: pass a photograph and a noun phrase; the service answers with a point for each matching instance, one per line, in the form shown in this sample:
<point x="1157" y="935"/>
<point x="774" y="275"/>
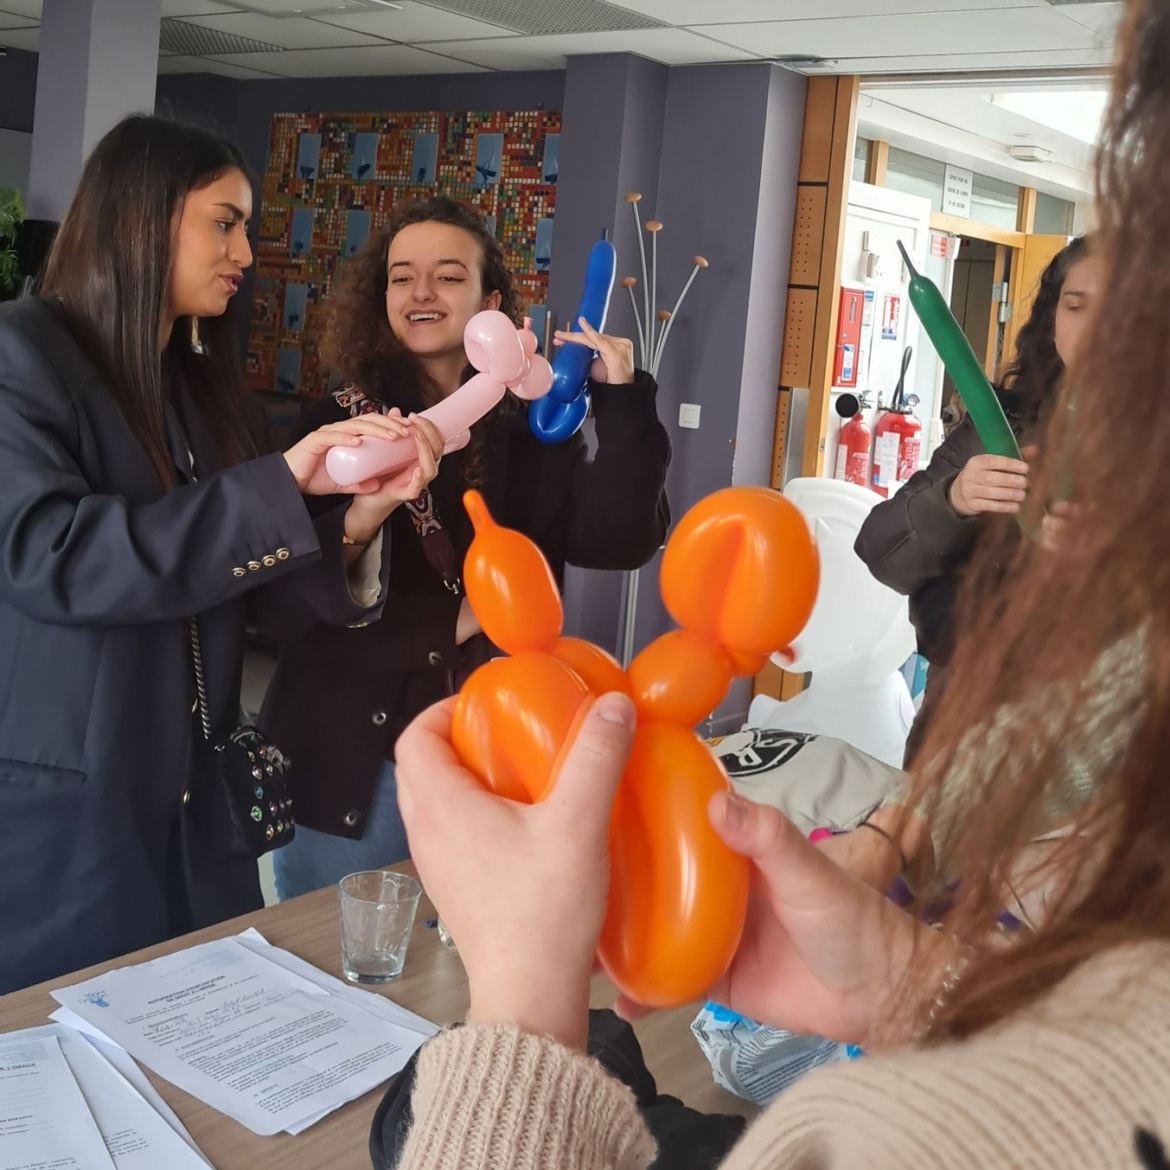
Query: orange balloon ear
<point x="512" y="591"/>
<point x="741" y="569"/>
<point x="511" y="720"/>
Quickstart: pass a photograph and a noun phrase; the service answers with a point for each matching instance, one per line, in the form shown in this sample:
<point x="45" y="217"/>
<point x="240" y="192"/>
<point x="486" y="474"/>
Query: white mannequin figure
<point x="856" y="640"/>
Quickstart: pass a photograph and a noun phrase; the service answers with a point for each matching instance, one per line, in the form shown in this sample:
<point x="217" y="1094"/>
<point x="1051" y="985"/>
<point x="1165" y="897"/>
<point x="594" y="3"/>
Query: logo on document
<point x="97" y="998"/>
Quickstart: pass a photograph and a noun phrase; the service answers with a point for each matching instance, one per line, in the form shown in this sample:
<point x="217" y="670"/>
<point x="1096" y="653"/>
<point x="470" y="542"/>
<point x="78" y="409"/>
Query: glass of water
<point x="377" y="914"/>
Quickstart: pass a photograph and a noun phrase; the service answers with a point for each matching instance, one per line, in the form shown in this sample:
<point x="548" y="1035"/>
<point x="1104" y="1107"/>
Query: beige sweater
<point x="1060" y="1087"/>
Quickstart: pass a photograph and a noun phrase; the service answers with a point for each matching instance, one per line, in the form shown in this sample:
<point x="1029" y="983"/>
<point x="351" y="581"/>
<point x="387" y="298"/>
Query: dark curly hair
<point x="1033" y="376"/>
<point x="363" y="348"/>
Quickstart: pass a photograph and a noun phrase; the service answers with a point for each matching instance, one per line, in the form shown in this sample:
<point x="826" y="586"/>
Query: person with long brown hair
<point x="136" y="500"/>
<point x="955" y="521"/>
<point x="921" y="541"/>
<point x="1047" y="1046"/>
<point x="397" y="340"/>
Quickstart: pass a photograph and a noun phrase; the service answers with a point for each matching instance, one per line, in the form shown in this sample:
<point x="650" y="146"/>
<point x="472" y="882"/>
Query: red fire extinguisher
<point x="854" y="442"/>
<point x="897" y="439"/>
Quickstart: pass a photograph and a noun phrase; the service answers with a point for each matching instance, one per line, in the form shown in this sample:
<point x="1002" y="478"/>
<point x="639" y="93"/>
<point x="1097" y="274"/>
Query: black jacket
<point x="99" y="572"/>
<point x="341" y="697"/>
<point x="918" y="545"/>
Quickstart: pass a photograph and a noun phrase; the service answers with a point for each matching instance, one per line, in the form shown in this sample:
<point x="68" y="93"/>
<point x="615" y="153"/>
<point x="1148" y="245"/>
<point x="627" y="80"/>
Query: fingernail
<point x="615" y="708"/>
<point x="734" y="811"/>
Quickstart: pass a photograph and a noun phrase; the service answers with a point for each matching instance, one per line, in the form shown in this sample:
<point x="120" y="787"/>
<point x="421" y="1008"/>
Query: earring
<point x="197" y="346"/>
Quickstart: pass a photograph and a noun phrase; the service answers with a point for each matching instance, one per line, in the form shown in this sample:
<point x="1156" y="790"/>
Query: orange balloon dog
<point x="739" y="575"/>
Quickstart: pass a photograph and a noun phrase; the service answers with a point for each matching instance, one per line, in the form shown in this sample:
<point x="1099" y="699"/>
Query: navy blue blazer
<point x="99" y="572"/>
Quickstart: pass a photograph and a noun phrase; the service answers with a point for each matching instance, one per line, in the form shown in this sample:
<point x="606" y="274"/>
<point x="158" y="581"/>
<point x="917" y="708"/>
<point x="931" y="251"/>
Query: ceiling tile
<point x="179" y="64"/>
<point x="289" y="33"/>
<point x="984" y="30"/>
<point x="695" y="12"/>
<point x="1103" y="19"/>
<point x="21" y="38"/>
<point x="672" y="46"/>
<point x="10" y="20"/>
<point x="362" y="61"/>
<point x="417" y="22"/>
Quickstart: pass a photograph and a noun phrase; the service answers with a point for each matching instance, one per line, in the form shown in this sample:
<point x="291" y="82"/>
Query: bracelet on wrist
<point x="348" y="540"/>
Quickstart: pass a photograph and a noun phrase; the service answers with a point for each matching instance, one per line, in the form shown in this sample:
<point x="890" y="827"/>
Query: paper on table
<point x="379" y="1005"/>
<point x="128" y="1067"/>
<point x="44" y="1120"/>
<point x="250" y="1038"/>
<point x="124" y="1062"/>
<point x="136" y="1137"/>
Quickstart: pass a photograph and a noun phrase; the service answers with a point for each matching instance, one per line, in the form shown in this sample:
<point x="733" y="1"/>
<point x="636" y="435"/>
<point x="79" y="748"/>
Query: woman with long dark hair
<point x="1041" y="1047"/>
<point x="921" y="540"/>
<point x="397" y="340"/>
<point x="955" y="520"/>
<point x="134" y="498"/>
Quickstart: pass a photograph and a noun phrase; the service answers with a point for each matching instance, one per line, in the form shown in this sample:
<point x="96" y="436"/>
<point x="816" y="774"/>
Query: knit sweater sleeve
<point x="495" y="1098"/>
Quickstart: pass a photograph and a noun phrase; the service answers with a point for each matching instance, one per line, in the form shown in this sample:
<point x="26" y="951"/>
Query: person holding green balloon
<point x="922" y="540"/>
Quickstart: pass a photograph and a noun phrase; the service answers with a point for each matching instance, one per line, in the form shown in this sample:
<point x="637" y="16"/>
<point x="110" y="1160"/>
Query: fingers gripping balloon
<point x="505" y="357"/>
<point x="678" y="895"/>
<point x="561" y="413"/>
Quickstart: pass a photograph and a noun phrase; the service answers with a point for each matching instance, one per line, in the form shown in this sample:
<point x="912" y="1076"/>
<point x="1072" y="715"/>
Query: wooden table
<point x="433" y="983"/>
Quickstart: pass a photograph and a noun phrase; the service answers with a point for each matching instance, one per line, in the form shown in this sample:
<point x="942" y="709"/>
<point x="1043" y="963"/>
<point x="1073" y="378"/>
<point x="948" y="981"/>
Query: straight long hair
<point x="109" y="272"/>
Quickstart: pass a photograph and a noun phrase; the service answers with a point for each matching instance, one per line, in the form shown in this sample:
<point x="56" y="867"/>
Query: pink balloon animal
<point x="505" y="357"/>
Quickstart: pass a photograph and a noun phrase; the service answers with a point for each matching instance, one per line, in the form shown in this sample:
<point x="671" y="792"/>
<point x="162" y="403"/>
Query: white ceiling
<point x="318" y="38"/>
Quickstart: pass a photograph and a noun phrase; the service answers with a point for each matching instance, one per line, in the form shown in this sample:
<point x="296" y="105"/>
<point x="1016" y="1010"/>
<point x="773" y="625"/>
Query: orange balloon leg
<point x="511" y="721"/>
<point x="678" y="895"/>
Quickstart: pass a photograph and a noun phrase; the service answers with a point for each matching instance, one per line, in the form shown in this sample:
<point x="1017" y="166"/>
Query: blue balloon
<point x="570" y="387"/>
<point x="554" y="422"/>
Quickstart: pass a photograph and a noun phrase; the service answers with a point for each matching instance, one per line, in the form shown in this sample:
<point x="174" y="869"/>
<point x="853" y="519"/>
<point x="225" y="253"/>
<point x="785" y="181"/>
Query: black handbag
<point x="252" y="778"/>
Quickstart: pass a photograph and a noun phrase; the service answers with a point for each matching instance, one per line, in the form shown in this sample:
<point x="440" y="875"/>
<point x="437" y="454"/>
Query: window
<point x="861" y="149"/>
<point x="1054" y="217"/>
<point x="995" y="202"/>
<point x="916" y="176"/>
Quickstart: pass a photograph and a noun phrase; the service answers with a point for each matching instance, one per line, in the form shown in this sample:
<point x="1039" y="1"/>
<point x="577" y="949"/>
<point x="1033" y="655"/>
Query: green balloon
<point x="953" y="348"/>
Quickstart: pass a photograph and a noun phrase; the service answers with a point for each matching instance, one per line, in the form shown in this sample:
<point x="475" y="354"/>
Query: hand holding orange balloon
<point x="740" y="576"/>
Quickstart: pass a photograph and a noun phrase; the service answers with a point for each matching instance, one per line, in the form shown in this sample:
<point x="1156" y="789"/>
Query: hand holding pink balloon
<point x="505" y="357"/>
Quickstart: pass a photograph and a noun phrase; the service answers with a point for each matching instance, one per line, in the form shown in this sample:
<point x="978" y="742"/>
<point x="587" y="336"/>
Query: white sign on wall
<point x="957" y="192"/>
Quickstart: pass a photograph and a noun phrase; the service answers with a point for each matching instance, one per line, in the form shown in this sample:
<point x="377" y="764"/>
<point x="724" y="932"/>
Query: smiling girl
<point x="340" y="697"/>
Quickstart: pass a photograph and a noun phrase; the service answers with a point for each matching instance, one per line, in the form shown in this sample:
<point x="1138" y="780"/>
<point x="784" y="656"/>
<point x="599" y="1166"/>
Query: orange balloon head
<point x="740" y="576"/>
<point x="741" y="569"/>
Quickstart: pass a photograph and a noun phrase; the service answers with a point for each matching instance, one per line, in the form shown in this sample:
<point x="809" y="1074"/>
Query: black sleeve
<point x="916" y="536"/>
<point x="618" y="513"/>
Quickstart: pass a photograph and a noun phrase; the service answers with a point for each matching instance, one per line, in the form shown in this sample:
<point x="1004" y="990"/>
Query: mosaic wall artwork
<point x="331" y="179"/>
